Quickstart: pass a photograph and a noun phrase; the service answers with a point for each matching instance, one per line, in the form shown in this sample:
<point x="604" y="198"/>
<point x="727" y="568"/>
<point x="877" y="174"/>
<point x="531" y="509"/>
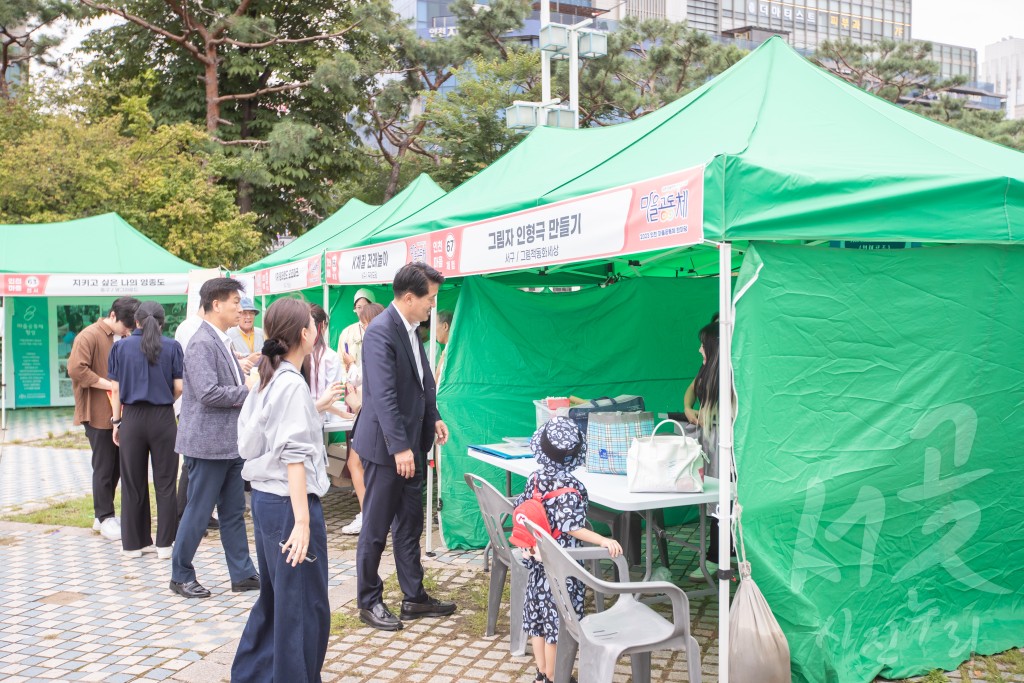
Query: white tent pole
<point x="327" y="293"/>
<point x="725" y="443"/>
<point x="3" y="364"/>
<point x="430" y="470"/>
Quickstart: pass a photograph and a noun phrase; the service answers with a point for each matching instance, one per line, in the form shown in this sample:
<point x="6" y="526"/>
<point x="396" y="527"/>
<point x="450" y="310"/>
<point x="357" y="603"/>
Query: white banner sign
<point x="371" y="264"/>
<point x="93" y="285"/>
<point x="556" y="233"/>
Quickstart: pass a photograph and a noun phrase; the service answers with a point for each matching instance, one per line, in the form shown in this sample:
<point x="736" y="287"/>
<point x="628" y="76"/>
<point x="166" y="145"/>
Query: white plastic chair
<point x="628" y="627"/>
<point x="495" y="509"/>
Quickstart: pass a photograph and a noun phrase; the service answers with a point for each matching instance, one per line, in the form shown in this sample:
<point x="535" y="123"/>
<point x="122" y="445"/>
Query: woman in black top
<point x="146" y="370"/>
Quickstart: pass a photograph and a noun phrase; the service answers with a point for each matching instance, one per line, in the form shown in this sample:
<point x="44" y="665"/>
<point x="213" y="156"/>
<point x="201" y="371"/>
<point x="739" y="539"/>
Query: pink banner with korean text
<point x="651" y="215"/>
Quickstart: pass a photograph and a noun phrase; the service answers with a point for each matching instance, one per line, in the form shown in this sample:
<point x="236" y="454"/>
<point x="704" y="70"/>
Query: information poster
<point x="30" y="351"/>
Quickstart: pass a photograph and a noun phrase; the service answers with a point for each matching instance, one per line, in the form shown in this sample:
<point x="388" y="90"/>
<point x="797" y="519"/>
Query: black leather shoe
<point x="190" y="589"/>
<point x="250" y="584"/>
<point x="380" y="618"/>
<point x="431" y="608"/>
<point x="213" y="524"/>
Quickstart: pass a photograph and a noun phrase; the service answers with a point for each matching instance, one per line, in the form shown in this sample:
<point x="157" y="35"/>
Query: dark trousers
<point x="182" y="492"/>
<point x="712" y="555"/>
<point x="391" y="502"/>
<point x="106" y="470"/>
<point x="147" y="433"/>
<point x="210" y="483"/>
<point x="285" y="638"/>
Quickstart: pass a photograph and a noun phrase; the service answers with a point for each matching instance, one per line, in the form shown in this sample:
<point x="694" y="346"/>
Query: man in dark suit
<point x="215" y="388"/>
<point x="396" y="427"/>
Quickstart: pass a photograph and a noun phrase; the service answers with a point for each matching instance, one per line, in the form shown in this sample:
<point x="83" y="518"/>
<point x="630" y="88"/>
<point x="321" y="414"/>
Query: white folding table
<point x="610" y="490"/>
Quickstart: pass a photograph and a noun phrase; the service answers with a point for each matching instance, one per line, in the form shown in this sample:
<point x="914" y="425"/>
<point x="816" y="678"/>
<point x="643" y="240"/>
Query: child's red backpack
<point x="533" y="510"/>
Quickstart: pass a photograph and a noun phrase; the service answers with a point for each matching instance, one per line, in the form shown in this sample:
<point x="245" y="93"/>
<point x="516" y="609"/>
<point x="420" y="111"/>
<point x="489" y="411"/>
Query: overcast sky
<point x="974" y="23"/>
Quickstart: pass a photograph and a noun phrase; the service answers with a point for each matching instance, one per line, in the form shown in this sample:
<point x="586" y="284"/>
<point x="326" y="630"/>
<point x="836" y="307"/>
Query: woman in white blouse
<point x="281" y="439"/>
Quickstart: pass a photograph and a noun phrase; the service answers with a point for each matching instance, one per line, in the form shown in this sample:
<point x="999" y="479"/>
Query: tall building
<point x="805" y="24"/>
<point x="1004" y="67"/>
<point x="808" y="23"/>
<point x="956" y="60"/>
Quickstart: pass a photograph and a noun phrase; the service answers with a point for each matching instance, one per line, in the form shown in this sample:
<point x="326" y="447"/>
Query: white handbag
<point x="665" y="463"/>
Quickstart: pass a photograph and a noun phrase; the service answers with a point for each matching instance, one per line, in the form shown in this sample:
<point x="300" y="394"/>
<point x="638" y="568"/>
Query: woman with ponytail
<point x="146" y="370"/>
<point x="280" y="438"/>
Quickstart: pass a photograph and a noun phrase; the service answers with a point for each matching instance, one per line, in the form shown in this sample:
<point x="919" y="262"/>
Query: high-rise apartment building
<point x="1003" y="66"/>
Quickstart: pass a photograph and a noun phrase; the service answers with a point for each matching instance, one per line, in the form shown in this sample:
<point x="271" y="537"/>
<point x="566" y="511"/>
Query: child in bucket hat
<point x="560" y="447"/>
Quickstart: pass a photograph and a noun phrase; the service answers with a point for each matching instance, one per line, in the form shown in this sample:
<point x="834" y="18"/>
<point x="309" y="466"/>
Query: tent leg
<point x="3" y="364"/>
<point x="432" y="355"/>
<point x="725" y="448"/>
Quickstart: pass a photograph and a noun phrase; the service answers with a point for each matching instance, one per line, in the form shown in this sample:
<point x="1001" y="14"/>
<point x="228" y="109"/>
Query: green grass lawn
<point x="77" y="512"/>
<point x="70" y="439"/>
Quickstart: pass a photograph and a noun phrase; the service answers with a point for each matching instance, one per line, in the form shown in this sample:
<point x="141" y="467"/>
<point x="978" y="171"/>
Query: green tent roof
<point x="356" y="224"/>
<point x="312" y="241"/>
<point x="380" y="225"/>
<point x="791" y="152"/>
<point x="105" y="243"/>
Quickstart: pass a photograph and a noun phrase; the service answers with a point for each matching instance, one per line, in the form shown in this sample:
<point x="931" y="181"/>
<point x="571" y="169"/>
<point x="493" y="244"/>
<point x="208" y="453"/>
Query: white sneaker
<point x="355" y="527"/>
<point x="109" y="528"/>
<point x="131" y="553"/>
<point x="164" y="553"/>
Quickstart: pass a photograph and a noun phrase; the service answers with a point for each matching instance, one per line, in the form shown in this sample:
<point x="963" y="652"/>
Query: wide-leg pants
<point x="147" y="434"/>
<point x="285" y="638"/>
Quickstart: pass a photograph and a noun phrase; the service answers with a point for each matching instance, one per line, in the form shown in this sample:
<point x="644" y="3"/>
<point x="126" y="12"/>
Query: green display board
<point x="30" y="352"/>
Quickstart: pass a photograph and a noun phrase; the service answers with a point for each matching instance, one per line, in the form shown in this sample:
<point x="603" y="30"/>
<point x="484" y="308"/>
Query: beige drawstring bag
<point x="758" y="650"/>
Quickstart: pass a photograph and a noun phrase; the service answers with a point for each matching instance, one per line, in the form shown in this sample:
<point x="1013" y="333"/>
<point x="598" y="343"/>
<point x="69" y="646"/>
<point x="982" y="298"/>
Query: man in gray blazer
<point x="214" y="391"/>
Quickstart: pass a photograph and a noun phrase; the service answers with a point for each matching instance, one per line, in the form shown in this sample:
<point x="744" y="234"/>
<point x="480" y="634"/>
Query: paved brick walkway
<point x="72" y="609"/>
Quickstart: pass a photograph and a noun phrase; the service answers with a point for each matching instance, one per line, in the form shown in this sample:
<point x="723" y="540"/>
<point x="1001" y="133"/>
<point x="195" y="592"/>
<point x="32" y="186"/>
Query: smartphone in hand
<point x="310" y="557"/>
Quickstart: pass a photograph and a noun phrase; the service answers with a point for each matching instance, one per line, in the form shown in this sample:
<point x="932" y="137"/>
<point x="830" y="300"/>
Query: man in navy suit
<point x="395" y="429"/>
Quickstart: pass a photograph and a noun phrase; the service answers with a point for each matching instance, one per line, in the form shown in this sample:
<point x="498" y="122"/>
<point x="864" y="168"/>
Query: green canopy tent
<point x="786" y="151"/>
<point x="300" y="265"/>
<point x="310" y="242"/>
<point x="41" y="263"/>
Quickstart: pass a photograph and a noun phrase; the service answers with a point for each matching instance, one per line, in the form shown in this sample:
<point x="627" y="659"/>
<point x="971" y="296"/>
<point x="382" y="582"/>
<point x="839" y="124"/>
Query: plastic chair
<point x="628" y="627"/>
<point x="495" y="508"/>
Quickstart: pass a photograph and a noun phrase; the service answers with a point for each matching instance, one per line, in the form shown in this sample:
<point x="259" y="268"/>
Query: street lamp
<point x="522" y="115"/>
<point x="593" y="44"/>
<point x="558" y="41"/>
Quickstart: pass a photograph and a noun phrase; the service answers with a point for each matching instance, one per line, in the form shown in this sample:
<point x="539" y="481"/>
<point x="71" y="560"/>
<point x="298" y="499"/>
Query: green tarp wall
<point x="878" y="442"/>
<point x="509" y="347"/>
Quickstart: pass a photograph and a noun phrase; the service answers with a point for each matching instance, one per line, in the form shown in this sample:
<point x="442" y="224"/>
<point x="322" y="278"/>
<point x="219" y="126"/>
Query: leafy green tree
<point x="983" y="123"/>
<point x="417" y="69"/>
<point x="155" y="177"/>
<point x="466" y="128"/>
<point x="27" y="33"/>
<point x="650" y="63"/>
<point x="898" y="71"/>
<point x="905" y="74"/>
<point x="272" y="83"/>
